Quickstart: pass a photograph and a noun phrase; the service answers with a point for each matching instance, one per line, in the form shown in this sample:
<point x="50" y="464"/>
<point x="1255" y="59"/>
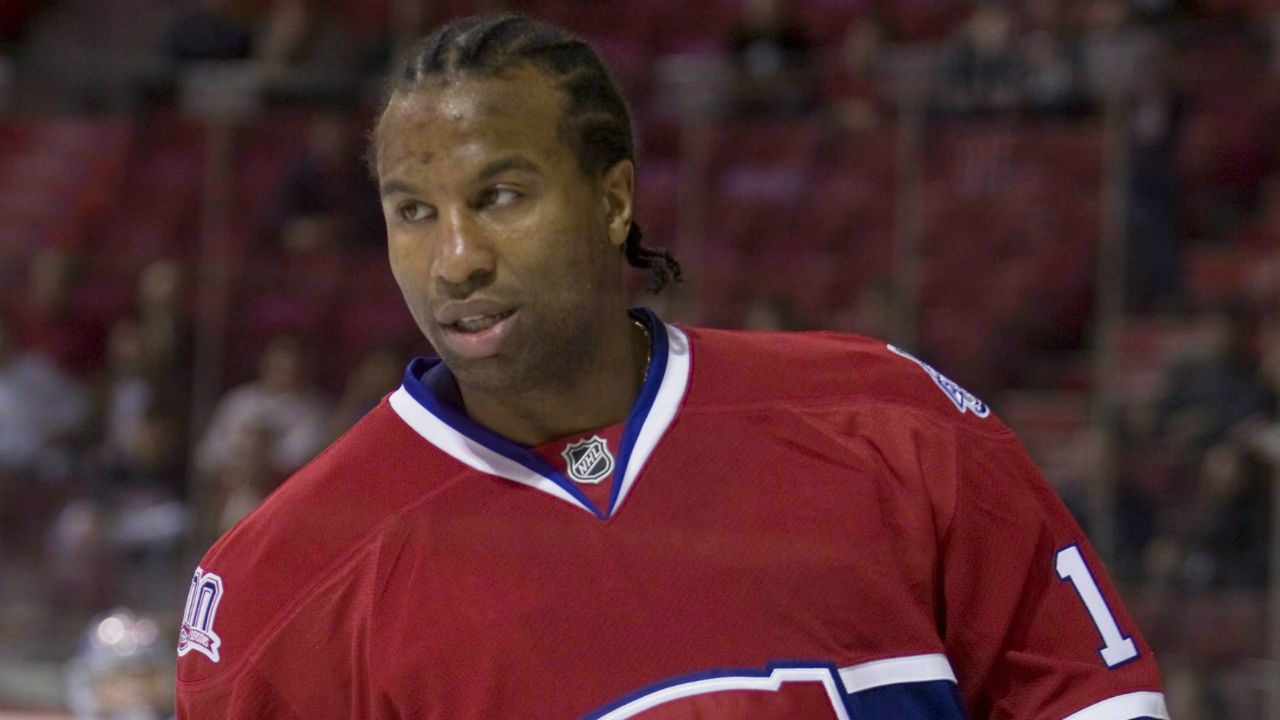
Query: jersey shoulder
<point x="300" y="536"/>
<point x="827" y="368"/>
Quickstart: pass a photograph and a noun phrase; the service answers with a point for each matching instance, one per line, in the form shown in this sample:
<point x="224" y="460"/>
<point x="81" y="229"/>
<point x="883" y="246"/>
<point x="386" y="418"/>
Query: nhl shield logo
<point x="588" y="460"/>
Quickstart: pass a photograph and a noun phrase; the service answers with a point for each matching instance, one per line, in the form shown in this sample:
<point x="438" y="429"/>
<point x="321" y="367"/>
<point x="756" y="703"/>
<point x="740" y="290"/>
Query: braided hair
<point x="597" y="123"/>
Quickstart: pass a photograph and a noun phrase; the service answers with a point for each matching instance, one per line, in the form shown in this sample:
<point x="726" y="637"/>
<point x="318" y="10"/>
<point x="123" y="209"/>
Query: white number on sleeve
<point x="1116" y="648"/>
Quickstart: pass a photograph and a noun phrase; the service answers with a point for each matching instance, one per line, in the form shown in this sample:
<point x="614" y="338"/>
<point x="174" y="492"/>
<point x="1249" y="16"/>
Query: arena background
<point x="1071" y="207"/>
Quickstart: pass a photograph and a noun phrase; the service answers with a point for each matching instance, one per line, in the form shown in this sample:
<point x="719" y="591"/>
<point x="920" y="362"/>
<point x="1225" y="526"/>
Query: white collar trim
<point x="524" y="470"/>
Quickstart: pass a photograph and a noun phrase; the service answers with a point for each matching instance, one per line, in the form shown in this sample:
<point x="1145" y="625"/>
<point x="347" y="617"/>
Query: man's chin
<point x="492" y="375"/>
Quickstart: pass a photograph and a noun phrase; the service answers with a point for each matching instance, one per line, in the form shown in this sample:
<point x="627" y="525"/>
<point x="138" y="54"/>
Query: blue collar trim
<point x="460" y="422"/>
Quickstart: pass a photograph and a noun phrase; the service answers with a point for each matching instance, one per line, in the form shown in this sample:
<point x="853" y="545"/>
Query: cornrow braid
<point x="597" y="123"/>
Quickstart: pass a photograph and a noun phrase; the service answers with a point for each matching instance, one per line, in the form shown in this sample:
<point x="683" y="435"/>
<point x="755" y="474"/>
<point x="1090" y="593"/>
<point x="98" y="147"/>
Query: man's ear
<point x="618" y="188"/>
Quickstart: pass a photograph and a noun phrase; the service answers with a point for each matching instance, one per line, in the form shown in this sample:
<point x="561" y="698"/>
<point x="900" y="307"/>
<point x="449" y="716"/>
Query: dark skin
<point x="484" y="199"/>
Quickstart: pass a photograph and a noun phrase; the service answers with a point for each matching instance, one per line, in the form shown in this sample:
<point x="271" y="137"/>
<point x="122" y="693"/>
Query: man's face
<point x="283" y="366"/>
<point x="506" y="252"/>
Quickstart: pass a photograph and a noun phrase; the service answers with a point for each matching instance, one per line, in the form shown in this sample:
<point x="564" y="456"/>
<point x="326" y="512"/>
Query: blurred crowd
<point x="1196" y="503"/>
<point x="114" y="476"/>
<point x="96" y="420"/>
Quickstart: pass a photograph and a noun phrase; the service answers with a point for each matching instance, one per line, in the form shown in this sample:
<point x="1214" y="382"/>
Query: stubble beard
<point x="551" y="353"/>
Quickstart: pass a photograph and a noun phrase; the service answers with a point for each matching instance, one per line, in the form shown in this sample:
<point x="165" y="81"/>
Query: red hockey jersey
<point x="787" y="526"/>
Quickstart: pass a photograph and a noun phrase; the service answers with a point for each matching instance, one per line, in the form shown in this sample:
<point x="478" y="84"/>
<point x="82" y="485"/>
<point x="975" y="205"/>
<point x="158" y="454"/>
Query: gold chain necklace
<point x="648" y="341"/>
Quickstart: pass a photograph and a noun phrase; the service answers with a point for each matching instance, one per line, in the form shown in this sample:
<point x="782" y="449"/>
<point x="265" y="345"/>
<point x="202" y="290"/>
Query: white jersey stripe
<point x="913" y="668"/>
<point x="469" y="452"/>
<point x="1126" y="707"/>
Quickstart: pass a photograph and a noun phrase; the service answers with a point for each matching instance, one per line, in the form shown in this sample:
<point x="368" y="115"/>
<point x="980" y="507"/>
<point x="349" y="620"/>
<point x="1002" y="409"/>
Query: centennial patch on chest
<point x="589" y="460"/>
<point x="198" y="616"/>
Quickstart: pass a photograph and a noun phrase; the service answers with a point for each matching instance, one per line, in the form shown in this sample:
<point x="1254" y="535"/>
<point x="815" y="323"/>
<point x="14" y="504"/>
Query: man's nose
<point x="465" y="261"/>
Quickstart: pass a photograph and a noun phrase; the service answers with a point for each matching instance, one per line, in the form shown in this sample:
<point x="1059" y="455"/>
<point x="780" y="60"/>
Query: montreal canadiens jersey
<point x="787" y="526"/>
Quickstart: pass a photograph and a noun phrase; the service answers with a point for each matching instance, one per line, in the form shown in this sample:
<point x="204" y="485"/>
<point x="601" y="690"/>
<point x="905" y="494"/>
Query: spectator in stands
<point x="1224" y="540"/>
<point x="43" y="413"/>
<point x="208" y="30"/>
<point x="150" y="460"/>
<point x="129" y="391"/>
<point x="982" y="71"/>
<point x="164" y="326"/>
<point x="1209" y="394"/>
<point x="139" y="384"/>
<point x="326" y="197"/>
<point x="303" y="35"/>
<point x="310" y="234"/>
<point x="248" y="475"/>
<point x="1153" y="263"/>
<point x="379" y="372"/>
<point x="52" y="324"/>
<point x="80" y="568"/>
<point x="1112" y="49"/>
<point x="774" y="60"/>
<point x="857" y="92"/>
<point x="283" y="401"/>
<point x="1051" y="78"/>
<point x="133" y="519"/>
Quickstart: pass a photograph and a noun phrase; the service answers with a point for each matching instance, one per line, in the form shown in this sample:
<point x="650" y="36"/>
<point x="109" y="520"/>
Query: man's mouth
<point x="479" y="336"/>
<point x="479" y="323"/>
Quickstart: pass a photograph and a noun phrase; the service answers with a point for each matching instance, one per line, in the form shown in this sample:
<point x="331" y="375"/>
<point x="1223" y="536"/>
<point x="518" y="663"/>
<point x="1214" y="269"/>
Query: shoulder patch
<point x="963" y="399"/>
<point x="197" y="618"/>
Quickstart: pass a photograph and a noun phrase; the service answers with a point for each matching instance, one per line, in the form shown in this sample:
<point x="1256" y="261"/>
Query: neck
<point x="600" y="396"/>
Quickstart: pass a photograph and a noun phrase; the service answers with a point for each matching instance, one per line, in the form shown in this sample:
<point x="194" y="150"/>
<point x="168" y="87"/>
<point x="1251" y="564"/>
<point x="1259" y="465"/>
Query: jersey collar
<point x="474" y="445"/>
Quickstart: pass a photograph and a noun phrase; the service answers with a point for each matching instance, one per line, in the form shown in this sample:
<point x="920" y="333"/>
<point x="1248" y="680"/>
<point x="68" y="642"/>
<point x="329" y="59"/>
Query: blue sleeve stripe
<point x="929" y="700"/>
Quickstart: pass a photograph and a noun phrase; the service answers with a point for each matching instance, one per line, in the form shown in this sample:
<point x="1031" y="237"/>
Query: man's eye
<point x="414" y="211"/>
<point x="498" y="196"/>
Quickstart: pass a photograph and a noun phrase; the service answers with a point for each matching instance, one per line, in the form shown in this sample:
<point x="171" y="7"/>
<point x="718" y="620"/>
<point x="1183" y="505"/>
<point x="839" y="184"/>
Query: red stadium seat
<point x="685" y="27"/>
<point x="917" y="20"/>
<point x="825" y="21"/>
<point x="629" y="61"/>
<point x="719" y="276"/>
<point x="267" y="313"/>
<point x="1216" y="276"/>
<point x="759" y="172"/>
<point x="659" y="135"/>
<point x="658" y="187"/>
<point x="850" y="203"/>
<point x="262" y="161"/>
<point x="284" y="293"/>
<point x="773" y="143"/>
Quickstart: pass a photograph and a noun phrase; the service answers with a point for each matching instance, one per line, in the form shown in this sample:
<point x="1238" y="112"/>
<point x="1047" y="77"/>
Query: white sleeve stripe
<point x="1126" y="707"/>
<point x="913" y="668"/>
